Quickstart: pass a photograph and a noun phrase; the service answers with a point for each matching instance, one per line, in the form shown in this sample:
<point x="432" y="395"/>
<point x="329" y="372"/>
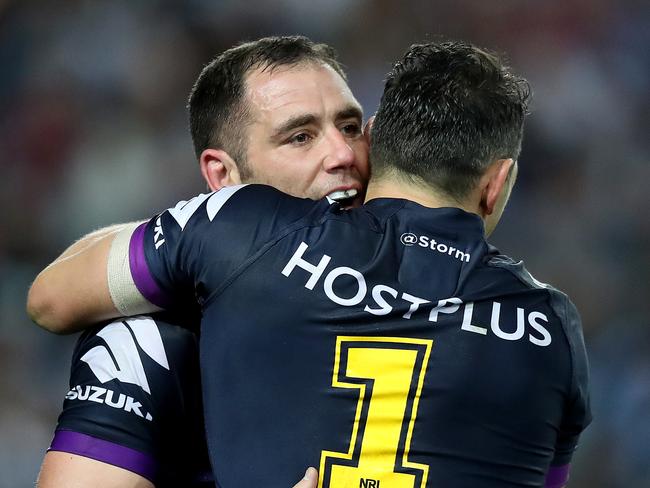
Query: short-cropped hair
<point x="217" y="108"/>
<point x="448" y="110"/>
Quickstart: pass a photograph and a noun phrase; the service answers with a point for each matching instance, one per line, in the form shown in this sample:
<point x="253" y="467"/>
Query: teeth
<point x="343" y="194"/>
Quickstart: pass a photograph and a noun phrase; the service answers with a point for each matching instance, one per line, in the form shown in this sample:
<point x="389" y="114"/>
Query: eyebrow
<point x="306" y="119"/>
<point x="294" y="123"/>
<point x="351" y="112"/>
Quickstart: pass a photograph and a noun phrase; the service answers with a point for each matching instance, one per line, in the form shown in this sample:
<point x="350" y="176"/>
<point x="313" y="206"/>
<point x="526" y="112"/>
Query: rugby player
<point x="390" y="344"/>
<point x="276" y="111"/>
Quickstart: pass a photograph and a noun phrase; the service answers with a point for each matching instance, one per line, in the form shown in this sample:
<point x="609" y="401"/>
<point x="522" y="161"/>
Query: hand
<point x="310" y="480"/>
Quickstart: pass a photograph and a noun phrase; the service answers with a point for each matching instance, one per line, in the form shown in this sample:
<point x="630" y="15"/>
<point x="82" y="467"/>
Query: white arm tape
<point x="125" y="295"/>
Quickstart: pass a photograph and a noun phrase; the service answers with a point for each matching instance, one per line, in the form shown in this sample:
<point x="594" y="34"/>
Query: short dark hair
<point x="216" y="105"/>
<point x="448" y="110"/>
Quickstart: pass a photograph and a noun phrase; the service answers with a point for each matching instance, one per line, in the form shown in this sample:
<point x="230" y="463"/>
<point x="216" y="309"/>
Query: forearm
<point x="88" y="240"/>
<point x="73" y="290"/>
<point x="61" y="470"/>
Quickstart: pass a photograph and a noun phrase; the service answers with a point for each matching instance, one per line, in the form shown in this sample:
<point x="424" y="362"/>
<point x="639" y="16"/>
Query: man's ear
<point x="494" y="182"/>
<point x="367" y="129"/>
<point x="218" y="169"/>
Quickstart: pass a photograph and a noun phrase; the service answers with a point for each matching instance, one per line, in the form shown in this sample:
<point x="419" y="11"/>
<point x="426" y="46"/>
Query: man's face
<point x="304" y="134"/>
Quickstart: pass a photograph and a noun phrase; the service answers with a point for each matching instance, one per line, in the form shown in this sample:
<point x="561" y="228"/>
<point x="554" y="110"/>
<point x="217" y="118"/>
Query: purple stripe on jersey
<point x="106" y="452"/>
<point x="140" y="271"/>
<point x="557" y="476"/>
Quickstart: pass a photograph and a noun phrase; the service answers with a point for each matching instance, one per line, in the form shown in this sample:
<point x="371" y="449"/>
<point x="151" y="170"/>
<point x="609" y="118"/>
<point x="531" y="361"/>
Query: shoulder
<point x="558" y="302"/>
<point x="231" y="223"/>
<point x="134" y="388"/>
<point x="241" y="203"/>
<point x="150" y="335"/>
<point x="242" y="214"/>
<point x="142" y="351"/>
<point x="518" y="271"/>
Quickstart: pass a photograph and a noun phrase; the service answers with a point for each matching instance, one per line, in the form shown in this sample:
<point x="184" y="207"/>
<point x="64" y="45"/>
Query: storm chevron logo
<point x="184" y="210"/>
<point x="119" y="338"/>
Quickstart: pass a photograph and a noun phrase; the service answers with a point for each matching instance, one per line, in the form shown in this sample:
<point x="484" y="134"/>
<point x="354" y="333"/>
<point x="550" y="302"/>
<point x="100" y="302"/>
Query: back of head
<point x="447" y="112"/>
<point x="217" y="105"/>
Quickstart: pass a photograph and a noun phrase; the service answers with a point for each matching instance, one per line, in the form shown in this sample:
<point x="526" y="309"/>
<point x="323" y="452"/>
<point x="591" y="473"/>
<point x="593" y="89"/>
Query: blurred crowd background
<point x="93" y="130"/>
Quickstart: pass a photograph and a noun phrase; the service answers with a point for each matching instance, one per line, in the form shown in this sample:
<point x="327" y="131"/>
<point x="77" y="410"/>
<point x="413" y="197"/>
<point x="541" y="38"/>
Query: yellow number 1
<point x="389" y="374"/>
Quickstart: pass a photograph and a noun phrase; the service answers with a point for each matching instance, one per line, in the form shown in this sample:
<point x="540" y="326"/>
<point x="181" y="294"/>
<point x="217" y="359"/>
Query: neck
<point x="418" y="193"/>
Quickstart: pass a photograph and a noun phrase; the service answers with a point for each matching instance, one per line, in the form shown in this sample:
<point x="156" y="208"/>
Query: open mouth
<point x="344" y="197"/>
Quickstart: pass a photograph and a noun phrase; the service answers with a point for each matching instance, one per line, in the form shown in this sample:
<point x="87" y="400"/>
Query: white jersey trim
<point x="219" y="199"/>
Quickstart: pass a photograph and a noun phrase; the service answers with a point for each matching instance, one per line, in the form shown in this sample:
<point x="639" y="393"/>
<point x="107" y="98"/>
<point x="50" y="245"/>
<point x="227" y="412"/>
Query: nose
<point x="339" y="152"/>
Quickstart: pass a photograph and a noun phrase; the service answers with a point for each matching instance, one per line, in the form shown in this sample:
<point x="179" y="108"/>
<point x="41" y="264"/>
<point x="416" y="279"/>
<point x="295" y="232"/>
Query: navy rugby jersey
<point x="135" y="401"/>
<point x="388" y="345"/>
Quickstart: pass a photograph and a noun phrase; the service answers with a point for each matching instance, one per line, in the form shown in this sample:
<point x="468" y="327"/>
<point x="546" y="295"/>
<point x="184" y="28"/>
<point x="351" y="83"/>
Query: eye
<point x="299" y="139"/>
<point x="351" y="129"/>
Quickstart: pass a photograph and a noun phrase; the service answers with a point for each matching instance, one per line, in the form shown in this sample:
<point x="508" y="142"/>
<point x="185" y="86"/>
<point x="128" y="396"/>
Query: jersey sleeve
<point x="134" y="400"/>
<point x="191" y="250"/>
<point x="577" y="413"/>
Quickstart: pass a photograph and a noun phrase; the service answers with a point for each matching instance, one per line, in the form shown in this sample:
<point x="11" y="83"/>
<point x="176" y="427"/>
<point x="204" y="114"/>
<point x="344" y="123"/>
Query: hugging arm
<point x="73" y="291"/>
<point x="62" y="469"/>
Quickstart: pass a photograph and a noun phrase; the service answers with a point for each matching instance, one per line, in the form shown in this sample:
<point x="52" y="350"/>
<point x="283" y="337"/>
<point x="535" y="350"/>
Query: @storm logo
<point x="409" y="239"/>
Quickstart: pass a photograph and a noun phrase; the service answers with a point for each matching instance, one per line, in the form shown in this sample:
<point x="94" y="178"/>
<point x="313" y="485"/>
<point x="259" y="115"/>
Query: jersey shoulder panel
<point x="559" y="302"/>
<point x="496" y="259"/>
<point x="556" y="298"/>
<point x="209" y="237"/>
<point x="577" y="409"/>
<point x="134" y="398"/>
